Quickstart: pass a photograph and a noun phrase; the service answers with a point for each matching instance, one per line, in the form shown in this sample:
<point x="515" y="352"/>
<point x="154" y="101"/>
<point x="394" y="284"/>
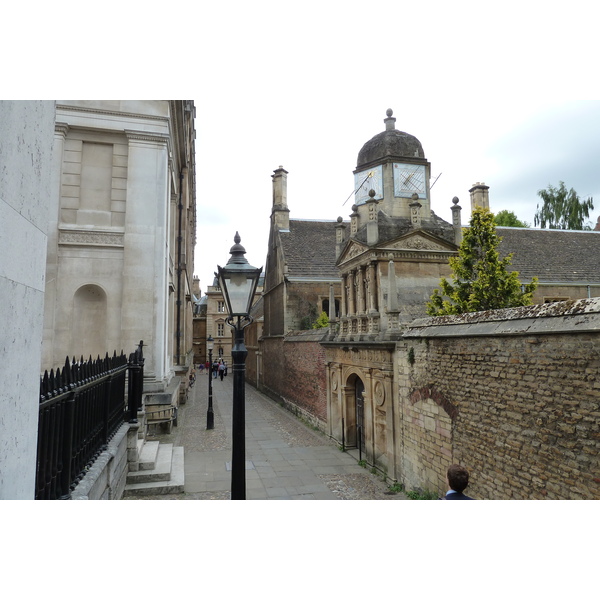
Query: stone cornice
<point x="61" y="128"/>
<point x="147" y="136"/>
<point x="114" y="113"/>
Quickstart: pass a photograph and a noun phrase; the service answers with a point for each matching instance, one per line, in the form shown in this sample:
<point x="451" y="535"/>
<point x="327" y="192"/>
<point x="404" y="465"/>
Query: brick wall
<point x="524" y="408"/>
<point x="294" y="373"/>
<point x="514" y="395"/>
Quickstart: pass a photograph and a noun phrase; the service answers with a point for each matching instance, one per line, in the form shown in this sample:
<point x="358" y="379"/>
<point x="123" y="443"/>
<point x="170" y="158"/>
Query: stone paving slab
<point x="285" y="459"/>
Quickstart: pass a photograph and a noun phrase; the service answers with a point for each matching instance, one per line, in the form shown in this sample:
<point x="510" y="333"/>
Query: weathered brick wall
<point x="294" y="373"/>
<point x="525" y="403"/>
<point x="426" y="436"/>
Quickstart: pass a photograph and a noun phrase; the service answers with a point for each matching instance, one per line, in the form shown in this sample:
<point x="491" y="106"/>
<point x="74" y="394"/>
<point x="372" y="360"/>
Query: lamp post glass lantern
<point x="238" y="281"/>
<point x="210" y="416"/>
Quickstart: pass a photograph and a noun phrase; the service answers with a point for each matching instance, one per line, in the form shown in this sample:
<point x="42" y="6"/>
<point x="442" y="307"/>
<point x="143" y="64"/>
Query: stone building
<point x="380" y="268"/>
<point x="199" y="325"/>
<point x="301" y="279"/>
<point x="122" y="235"/>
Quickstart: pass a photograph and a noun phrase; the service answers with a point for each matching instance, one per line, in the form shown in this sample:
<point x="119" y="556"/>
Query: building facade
<point x="122" y="235"/>
<point x="383" y="265"/>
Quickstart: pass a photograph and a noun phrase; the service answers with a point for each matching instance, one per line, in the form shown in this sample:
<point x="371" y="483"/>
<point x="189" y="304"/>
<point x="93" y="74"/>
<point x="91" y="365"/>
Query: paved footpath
<point x="285" y="459"/>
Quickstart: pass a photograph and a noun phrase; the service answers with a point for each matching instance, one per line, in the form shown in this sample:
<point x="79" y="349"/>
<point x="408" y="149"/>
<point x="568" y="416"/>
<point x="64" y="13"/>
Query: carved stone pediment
<point x="353" y="250"/>
<point x="419" y="241"/>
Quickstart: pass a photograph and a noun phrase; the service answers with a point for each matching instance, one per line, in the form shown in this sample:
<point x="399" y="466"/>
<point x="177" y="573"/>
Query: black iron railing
<point x="81" y="408"/>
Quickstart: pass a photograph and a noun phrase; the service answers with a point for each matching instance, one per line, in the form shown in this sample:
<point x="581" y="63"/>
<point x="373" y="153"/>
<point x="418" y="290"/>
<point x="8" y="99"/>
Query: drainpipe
<point x="179" y="242"/>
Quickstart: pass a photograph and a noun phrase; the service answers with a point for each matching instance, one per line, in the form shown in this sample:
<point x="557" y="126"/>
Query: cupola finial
<point x="390" y="121"/>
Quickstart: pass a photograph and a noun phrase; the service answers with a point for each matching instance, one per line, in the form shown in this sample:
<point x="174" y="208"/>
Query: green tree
<point x="562" y="209"/>
<point x="481" y="280"/>
<point x="322" y="321"/>
<point x="507" y="218"/>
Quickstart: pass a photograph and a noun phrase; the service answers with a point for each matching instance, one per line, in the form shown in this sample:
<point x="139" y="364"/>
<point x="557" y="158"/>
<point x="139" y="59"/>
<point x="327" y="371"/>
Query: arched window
<point x="325" y="307"/>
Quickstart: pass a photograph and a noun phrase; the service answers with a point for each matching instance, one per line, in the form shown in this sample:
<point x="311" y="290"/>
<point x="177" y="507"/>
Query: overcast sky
<point x="502" y="93"/>
<point x="505" y="96"/>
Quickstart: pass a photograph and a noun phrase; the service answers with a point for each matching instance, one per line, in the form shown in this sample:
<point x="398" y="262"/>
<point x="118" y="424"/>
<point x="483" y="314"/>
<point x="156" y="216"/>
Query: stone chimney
<point x="280" y="216"/>
<point x="456" y="221"/>
<point x="480" y="196"/>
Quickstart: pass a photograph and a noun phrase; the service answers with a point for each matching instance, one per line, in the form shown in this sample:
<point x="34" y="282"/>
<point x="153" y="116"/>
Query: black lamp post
<point x="210" y="417"/>
<point x="238" y="281"/>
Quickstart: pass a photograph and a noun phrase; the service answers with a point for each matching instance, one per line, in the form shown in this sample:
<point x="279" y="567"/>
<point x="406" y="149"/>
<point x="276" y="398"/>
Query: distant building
<point x="216" y="321"/>
<point x="199" y="324"/>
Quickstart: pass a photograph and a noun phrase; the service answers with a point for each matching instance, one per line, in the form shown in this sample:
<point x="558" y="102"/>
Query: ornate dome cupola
<point x="394" y="165"/>
<point x="389" y="143"/>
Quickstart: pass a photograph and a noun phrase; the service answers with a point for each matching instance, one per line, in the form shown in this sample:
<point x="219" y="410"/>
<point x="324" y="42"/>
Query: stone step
<point x="161" y="470"/>
<point x="149" y="456"/>
<point x="174" y="485"/>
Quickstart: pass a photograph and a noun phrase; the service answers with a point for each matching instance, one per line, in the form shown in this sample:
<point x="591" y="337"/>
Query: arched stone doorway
<point x="354" y="400"/>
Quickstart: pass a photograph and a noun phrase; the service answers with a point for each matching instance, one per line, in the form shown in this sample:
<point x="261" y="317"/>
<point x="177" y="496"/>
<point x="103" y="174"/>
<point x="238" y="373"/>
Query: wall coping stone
<point x="310" y="335"/>
<point x="557" y="317"/>
<point x="85" y="488"/>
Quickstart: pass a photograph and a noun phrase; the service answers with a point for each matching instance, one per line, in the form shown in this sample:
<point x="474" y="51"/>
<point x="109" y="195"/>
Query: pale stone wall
<point x="26" y="138"/>
<point x="120" y="170"/>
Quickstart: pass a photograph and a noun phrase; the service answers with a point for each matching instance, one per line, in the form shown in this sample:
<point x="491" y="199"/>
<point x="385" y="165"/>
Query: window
<point x="221" y="306"/>
<point x="325" y="307"/>
<point x="220" y="329"/>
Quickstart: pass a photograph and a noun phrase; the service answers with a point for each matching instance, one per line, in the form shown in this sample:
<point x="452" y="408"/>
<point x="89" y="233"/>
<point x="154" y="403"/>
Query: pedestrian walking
<point x="221" y="370"/>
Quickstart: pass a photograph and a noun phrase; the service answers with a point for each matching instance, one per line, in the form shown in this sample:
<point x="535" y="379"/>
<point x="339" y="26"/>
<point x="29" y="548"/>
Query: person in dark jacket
<point x="458" y="480"/>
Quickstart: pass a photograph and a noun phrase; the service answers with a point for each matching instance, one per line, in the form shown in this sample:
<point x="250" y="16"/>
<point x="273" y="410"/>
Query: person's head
<point x="458" y="478"/>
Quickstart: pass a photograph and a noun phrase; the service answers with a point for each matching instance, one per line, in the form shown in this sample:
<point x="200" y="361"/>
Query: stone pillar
<point x="354" y="221"/>
<point x="343" y="308"/>
<point x="49" y="359"/>
<point x="372" y="288"/>
<point x="372" y="224"/>
<point x="360" y="274"/>
<point x="392" y="287"/>
<point x="456" y="210"/>
<point x="145" y="315"/>
<point x="332" y="315"/>
<point x="340" y="230"/>
<point x="415" y="212"/>
<point x="351" y="296"/>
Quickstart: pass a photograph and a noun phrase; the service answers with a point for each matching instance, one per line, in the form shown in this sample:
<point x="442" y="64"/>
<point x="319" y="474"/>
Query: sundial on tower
<point x="367" y="180"/>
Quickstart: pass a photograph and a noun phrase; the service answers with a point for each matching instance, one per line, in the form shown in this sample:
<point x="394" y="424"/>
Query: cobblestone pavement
<point x="264" y="415"/>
